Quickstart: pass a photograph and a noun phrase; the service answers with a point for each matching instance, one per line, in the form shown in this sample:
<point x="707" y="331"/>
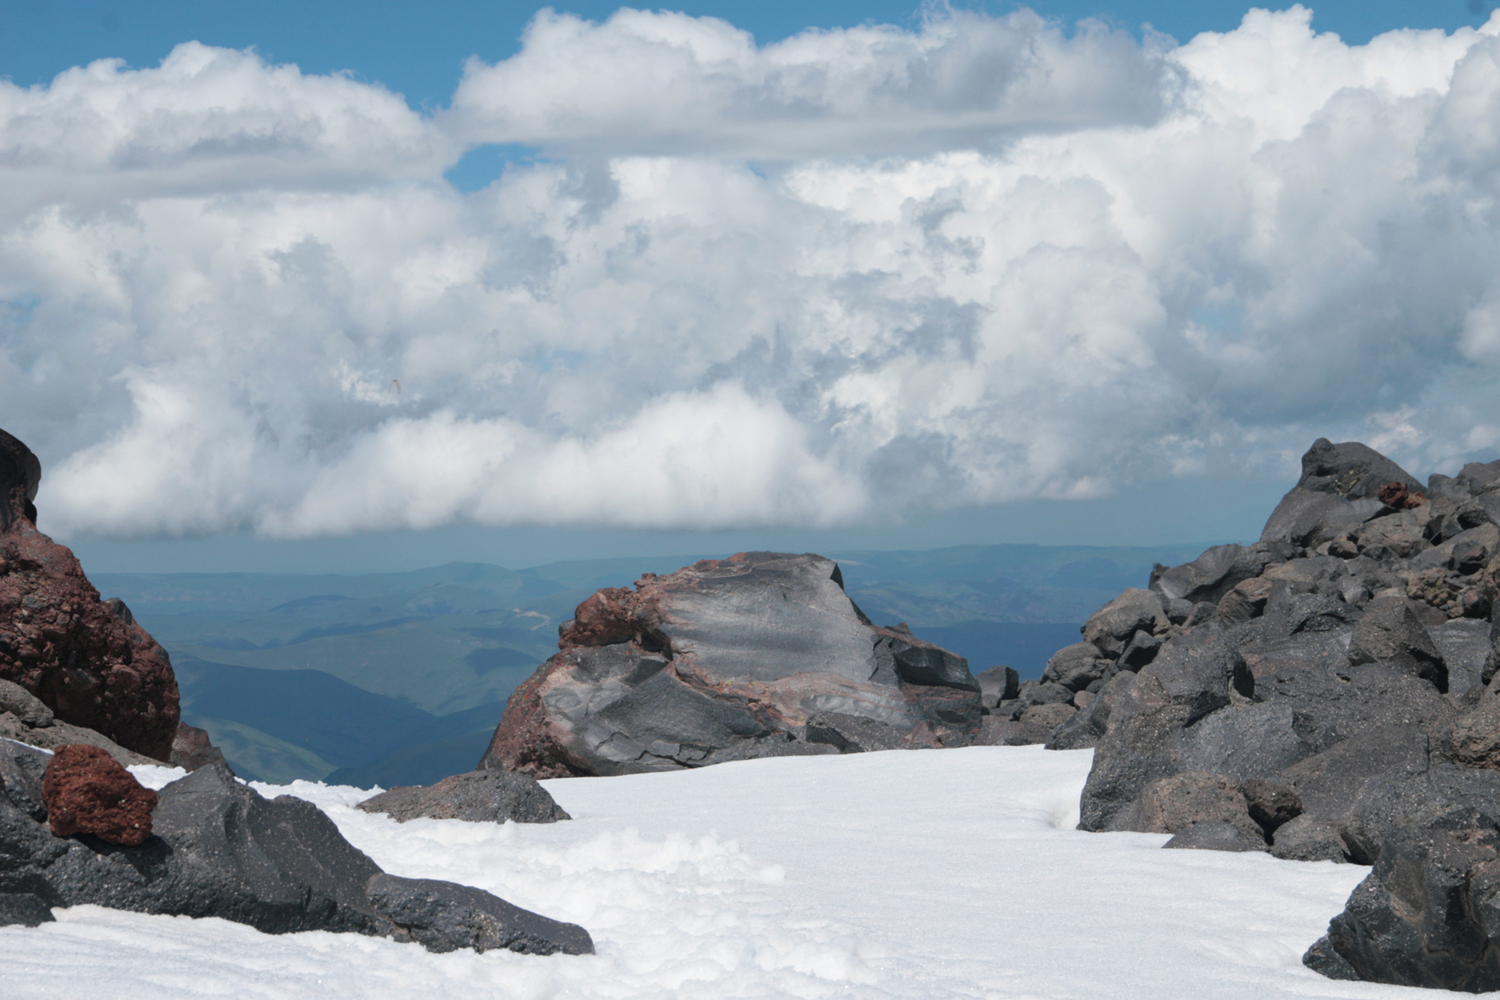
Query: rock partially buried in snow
<point x="477" y="797"/>
<point x="724" y="660"/>
<point x="22" y="909"/>
<point x="220" y="849"/>
<point x="442" y="916"/>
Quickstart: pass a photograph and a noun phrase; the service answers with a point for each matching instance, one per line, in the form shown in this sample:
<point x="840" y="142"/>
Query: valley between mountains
<point x="400" y="678"/>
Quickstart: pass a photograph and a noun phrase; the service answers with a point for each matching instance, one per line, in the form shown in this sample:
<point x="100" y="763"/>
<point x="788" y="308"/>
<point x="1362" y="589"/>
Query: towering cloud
<point x="852" y="273"/>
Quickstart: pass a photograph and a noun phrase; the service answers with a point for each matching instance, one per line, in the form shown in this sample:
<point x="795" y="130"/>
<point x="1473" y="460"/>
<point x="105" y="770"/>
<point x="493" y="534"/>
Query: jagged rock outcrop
<point x="1327" y="693"/>
<point x="85" y="659"/>
<point x="219" y="849"/>
<point x="727" y="660"/>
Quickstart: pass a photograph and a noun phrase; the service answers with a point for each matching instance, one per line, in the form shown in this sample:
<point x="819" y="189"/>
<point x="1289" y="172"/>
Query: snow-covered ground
<point x="932" y="874"/>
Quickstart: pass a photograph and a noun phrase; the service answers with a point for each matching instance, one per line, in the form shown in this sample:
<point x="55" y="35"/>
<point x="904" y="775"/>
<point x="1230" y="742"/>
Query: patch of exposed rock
<point x="85" y="659"/>
<point x="730" y="659"/>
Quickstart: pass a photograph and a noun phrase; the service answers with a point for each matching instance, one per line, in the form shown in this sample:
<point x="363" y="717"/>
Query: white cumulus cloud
<point x="838" y="278"/>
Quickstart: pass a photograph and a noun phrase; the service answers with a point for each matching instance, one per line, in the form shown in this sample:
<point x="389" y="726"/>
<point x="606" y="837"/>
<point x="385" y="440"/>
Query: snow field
<point x="926" y="874"/>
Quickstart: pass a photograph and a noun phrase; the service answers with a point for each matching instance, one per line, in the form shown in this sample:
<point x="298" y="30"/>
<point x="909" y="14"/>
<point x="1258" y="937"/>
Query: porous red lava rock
<point x="86" y="659"/>
<point x="88" y="791"/>
<point x="723" y="660"/>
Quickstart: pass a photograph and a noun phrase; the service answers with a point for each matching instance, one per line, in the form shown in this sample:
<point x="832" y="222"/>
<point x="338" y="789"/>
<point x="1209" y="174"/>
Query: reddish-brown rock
<point x="88" y="791"/>
<point x="85" y="659"/>
<point x="1398" y="496"/>
<point x="723" y="660"/>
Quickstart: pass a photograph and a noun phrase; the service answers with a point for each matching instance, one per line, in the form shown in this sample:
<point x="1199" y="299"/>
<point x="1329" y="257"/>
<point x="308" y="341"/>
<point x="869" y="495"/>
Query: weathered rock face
<point x="724" y="660"/>
<point x="219" y="849"/>
<point x="84" y="659"/>
<point x="88" y="791"/>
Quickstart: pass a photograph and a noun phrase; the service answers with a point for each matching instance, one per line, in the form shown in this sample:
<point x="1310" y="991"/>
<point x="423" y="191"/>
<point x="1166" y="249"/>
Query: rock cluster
<point x="1326" y="693"/>
<point x="216" y="848"/>
<point x="761" y="654"/>
<point x="87" y="661"/>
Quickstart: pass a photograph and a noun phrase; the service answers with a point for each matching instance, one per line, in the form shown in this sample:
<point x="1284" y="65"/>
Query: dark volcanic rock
<point x="443" y="916"/>
<point x="998" y="684"/>
<point x="1075" y="667"/>
<point x="90" y="665"/>
<point x="87" y="791"/>
<point x="1191" y="677"/>
<point x="1352" y="470"/>
<point x="478" y="797"/>
<point x="220" y="849"/>
<point x="1172" y="804"/>
<point x="22" y="909"/>
<point x="724" y="654"/>
<point x="1428" y="914"/>
<point x="1391" y="634"/>
<point x="853" y="733"/>
<point x="1359" y="724"/>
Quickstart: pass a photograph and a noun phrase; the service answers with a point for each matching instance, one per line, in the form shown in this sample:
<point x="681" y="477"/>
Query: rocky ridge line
<point x="1328" y="693"/>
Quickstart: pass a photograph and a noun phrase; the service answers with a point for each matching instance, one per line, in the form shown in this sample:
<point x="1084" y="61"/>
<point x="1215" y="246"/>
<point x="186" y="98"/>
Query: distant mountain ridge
<point x="439" y="649"/>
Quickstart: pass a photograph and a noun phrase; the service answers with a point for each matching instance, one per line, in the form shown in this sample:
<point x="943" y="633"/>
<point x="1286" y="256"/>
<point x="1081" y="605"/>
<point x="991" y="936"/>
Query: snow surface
<point x="932" y="874"/>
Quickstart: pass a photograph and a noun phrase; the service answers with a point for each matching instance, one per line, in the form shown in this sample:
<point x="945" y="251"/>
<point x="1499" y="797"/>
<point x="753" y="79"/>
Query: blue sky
<point x="635" y="282"/>
<point x="418" y="49"/>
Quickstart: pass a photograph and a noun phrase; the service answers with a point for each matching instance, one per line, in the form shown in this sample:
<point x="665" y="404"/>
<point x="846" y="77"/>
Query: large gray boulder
<point x="722" y="659"/>
<point x="220" y="849"/>
<point x="1192" y="677"/>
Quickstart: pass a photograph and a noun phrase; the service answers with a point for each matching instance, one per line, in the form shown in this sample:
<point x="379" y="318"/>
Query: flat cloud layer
<point x="842" y="277"/>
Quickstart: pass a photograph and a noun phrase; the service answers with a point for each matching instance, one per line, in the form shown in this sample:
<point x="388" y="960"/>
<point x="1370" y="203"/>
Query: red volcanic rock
<point x="1399" y="497"/>
<point x="86" y="660"/>
<point x="723" y="660"/>
<point x="88" y="791"/>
